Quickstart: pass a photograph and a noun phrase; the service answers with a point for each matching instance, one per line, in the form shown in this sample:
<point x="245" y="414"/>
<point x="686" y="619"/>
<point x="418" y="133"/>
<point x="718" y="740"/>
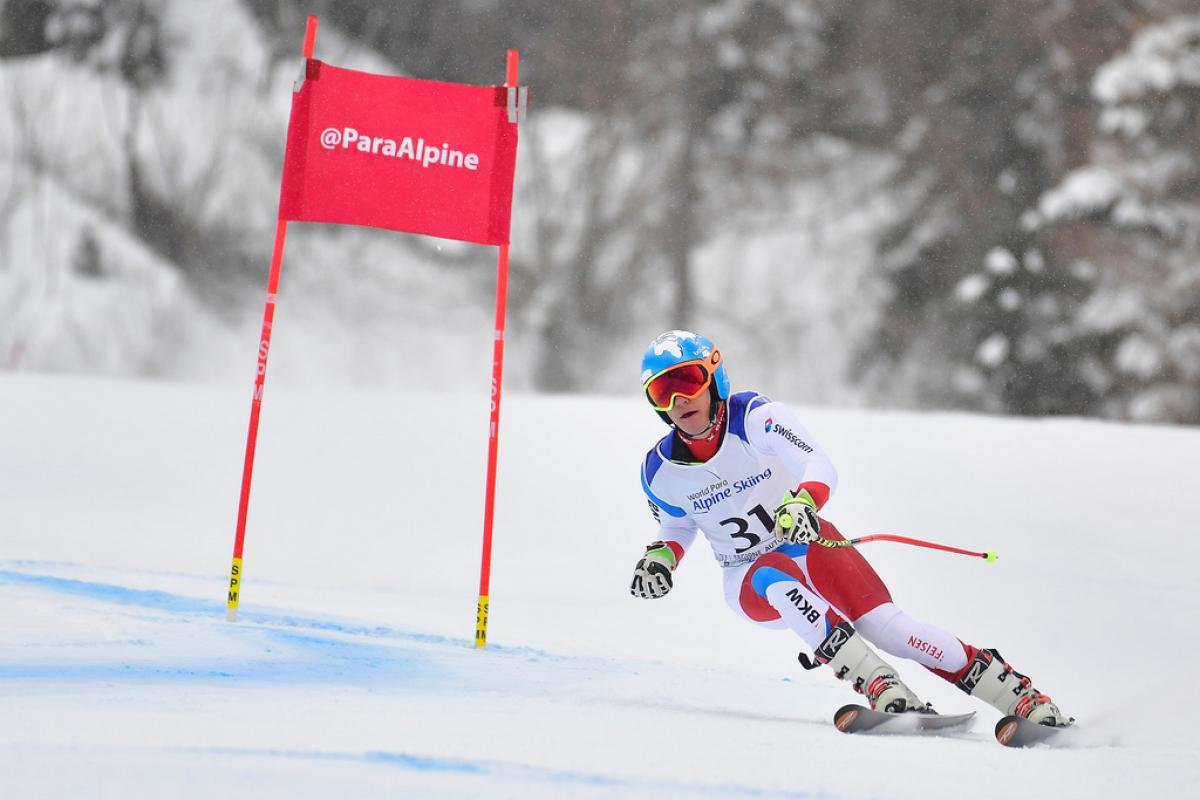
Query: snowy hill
<point x="352" y="671"/>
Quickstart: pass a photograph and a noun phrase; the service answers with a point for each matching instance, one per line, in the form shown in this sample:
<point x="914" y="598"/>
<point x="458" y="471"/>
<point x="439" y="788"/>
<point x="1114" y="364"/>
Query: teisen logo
<point x="791" y="437"/>
<point x="346" y="138"/>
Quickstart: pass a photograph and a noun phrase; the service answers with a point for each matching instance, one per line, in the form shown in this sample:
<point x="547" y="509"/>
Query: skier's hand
<point x="652" y="575"/>
<point x="796" y="519"/>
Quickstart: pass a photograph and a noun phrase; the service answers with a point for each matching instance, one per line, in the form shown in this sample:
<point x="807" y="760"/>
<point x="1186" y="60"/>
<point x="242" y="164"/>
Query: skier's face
<point x="692" y="416"/>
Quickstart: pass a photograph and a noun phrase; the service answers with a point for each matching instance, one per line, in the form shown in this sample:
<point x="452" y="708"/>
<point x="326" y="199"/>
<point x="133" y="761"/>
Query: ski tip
<point x="1013" y="731"/>
<point x="1006" y="729"/>
<point x="845" y="717"/>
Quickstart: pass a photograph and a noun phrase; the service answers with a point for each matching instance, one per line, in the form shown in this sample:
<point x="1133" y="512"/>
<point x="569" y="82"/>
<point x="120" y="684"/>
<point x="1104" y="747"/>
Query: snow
<point x="972" y="287"/>
<point x="1183" y="348"/>
<point x="1035" y="262"/>
<point x="1160" y="58"/>
<point x="993" y="350"/>
<point x="210" y="143"/>
<point x="1083" y="191"/>
<point x="1139" y="356"/>
<point x="208" y="140"/>
<point x="1000" y="261"/>
<point x="352" y="670"/>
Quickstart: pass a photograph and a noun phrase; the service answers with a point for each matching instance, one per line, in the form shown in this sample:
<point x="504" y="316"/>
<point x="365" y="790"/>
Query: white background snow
<point x="352" y="671"/>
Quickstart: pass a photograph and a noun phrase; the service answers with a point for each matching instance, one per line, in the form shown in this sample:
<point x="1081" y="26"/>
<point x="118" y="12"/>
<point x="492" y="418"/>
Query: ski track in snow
<point x="322" y="650"/>
<point x="319" y="650"/>
<point x="346" y="674"/>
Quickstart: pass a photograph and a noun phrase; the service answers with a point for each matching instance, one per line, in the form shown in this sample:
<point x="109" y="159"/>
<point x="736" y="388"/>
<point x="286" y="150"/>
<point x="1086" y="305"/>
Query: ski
<point x="854" y="718"/>
<point x="1014" y="731"/>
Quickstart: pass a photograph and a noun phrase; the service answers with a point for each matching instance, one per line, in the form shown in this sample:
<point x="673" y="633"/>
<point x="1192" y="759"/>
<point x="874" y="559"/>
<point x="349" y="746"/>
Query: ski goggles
<point x="686" y="380"/>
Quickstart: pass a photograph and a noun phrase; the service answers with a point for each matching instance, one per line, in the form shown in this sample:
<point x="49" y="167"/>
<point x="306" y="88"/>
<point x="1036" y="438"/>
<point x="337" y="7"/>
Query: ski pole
<point x="988" y="555"/>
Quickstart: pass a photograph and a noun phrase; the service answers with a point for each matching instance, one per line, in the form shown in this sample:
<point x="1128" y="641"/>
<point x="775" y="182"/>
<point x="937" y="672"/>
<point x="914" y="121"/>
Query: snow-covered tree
<point x="1129" y="220"/>
<point x="980" y="105"/>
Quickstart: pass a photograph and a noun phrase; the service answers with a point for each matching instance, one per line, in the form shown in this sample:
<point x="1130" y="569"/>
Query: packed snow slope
<point x="352" y="671"/>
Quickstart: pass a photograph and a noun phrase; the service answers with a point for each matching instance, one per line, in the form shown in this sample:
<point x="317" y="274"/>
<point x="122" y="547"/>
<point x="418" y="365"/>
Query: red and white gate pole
<point x="489" y="500"/>
<point x="264" y="345"/>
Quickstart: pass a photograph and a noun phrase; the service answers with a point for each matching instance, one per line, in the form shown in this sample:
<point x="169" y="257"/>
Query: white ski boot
<point x="996" y="683"/>
<point x="852" y="659"/>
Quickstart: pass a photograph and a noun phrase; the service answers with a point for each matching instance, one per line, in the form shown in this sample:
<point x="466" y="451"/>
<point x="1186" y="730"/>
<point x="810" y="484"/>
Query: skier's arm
<point x="676" y="532"/>
<point x="773" y="428"/>
<point x="652" y="573"/>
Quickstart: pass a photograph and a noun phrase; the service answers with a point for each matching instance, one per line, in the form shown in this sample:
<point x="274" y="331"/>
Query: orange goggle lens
<point x="685" y="380"/>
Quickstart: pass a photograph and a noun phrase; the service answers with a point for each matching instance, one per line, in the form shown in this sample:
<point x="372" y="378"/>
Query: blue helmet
<point x="680" y="347"/>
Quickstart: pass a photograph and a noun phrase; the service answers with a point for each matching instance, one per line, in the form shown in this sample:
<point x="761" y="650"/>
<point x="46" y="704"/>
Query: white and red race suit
<point x="765" y="451"/>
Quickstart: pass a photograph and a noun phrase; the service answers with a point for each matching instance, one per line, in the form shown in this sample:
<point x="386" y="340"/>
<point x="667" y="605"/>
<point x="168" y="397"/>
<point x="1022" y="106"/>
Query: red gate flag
<point x="420" y="156"/>
<point x="410" y="155"/>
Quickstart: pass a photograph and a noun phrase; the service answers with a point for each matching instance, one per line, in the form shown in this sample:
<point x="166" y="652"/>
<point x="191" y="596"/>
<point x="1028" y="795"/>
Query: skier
<point x="745" y="471"/>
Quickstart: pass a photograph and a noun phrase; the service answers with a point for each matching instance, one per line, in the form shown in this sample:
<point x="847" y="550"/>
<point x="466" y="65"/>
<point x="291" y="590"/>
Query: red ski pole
<point x="988" y="555"/>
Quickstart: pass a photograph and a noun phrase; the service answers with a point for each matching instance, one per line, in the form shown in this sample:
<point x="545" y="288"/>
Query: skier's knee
<point x="764" y="577"/>
<point x="874" y="624"/>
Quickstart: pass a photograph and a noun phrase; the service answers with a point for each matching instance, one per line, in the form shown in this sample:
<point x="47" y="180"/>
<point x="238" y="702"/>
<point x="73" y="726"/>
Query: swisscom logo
<point x="767" y="424"/>
<point x="789" y="436"/>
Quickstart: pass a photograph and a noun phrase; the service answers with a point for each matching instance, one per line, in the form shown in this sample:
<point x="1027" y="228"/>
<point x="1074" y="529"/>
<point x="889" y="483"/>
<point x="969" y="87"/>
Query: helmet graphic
<point x="681" y="364"/>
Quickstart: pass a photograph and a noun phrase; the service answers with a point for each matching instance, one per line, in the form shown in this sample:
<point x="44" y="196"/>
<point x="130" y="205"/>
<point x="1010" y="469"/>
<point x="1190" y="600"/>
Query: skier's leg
<point x="893" y="631"/>
<point x="981" y="673"/>
<point x="775" y="588"/>
<point x="777" y="582"/>
<point x="844" y="576"/>
<point x="852" y="659"/>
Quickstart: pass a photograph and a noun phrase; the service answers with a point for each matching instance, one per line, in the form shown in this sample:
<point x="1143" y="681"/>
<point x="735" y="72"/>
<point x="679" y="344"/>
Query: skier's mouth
<point x="689" y="414"/>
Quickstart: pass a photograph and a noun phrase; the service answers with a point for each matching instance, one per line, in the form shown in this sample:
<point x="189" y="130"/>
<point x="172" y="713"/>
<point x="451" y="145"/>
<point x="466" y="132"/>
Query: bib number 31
<point x="742" y="527"/>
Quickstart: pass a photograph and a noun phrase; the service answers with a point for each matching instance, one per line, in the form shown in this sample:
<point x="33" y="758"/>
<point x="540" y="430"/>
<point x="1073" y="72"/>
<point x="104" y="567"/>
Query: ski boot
<point x="996" y="683"/>
<point x="852" y="659"/>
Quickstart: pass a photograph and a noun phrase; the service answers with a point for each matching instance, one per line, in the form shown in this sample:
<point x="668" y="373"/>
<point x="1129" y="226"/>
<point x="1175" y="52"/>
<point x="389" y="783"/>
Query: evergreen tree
<point x="1129" y="220"/>
<point x="979" y="102"/>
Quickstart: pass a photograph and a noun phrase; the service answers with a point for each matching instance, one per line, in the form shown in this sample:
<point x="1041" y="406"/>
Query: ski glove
<point x="796" y="519"/>
<point x="652" y="575"/>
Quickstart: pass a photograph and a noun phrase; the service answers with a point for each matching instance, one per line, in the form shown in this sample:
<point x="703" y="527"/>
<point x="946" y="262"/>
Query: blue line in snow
<point x="181" y="604"/>
<point x="120" y="595"/>
<point x="426" y="763"/>
<point x="282" y="647"/>
<point x="508" y="771"/>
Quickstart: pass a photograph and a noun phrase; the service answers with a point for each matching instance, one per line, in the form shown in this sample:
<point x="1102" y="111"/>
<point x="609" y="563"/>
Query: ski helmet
<point x="677" y="348"/>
